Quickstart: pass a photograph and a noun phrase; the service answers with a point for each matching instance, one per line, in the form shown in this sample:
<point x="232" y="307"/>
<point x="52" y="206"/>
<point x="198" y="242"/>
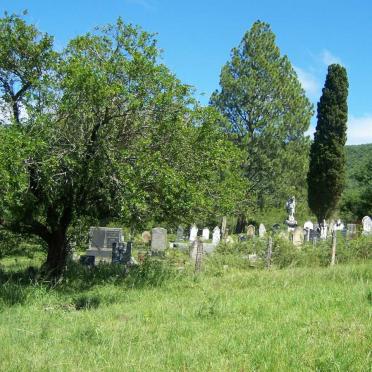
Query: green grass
<point x="242" y="319"/>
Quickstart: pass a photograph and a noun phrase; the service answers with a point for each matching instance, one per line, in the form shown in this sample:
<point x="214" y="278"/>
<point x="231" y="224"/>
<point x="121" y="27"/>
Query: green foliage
<point x="356" y="200"/>
<point x="267" y="115"/>
<point x="108" y="133"/>
<point x="326" y="175"/>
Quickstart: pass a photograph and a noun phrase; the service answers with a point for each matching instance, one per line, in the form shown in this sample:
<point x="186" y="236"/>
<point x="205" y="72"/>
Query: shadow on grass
<point x="77" y="279"/>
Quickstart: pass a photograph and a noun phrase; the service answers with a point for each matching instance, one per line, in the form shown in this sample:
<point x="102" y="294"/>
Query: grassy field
<point x="293" y="319"/>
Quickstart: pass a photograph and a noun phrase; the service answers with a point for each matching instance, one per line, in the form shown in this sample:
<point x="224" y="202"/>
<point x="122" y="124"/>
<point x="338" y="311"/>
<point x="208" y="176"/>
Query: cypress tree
<point x="326" y="176"/>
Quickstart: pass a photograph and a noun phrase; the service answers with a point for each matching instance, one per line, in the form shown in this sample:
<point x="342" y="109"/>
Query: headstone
<point x="87" y="260"/>
<point x="250" y="231"/>
<point x="314" y="236"/>
<point x="180" y="234"/>
<point x="339" y="226"/>
<point x="216" y="237"/>
<point x="121" y="253"/>
<point x="308" y="225"/>
<point x="159" y="239"/>
<point x="323" y="230"/>
<point x="298" y="236"/>
<point x="103" y="237"/>
<point x="205" y="233"/>
<point x="101" y="240"/>
<point x="146" y="237"/>
<point x="262" y="230"/>
<point x="193" y="233"/>
<point x="351" y="230"/>
<point x="367" y="225"/>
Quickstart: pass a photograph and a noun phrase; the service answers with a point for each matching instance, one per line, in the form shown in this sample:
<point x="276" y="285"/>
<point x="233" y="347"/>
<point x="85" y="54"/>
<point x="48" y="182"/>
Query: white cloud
<point x="308" y="82"/>
<point x="328" y="58"/>
<point x="359" y="130"/>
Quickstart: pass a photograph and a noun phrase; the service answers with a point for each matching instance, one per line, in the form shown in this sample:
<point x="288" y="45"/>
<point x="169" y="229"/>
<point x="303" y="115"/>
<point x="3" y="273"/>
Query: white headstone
<point x="367" y="225"/>
<point x="206" y="233"/>
<point x="262" y="230"/>
<point x="323" y="230"/>
<point x="216" y="237"/>
<point x="193" y="233"/>
<point x="339" y="226"/>
<point x="308" y="225"/>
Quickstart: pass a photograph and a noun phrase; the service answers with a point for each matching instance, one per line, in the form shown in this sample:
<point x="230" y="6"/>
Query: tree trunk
<point x="57" y="254"/>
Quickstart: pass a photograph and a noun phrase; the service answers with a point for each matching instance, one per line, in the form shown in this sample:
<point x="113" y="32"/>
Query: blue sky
<point x="197" y="37"/>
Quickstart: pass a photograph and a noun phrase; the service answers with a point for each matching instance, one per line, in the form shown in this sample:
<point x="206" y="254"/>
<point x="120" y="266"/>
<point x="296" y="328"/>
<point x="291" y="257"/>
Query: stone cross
<point x="193" y="233"/>
<point x="216" y="237"/>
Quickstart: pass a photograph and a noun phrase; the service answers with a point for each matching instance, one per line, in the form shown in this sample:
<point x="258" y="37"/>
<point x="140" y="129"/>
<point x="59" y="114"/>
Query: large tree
<point x="326" y="176"/>
<point x="267" y="115"/>
<point x="100" y="130"/>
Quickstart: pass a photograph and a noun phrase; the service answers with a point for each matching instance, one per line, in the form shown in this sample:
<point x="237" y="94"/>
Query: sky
<point x="197" y="36"/>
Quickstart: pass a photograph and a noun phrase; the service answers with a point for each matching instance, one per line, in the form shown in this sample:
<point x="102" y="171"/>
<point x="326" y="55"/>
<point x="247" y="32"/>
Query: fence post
<point x="269" y="252"/>
<point x="334" y="241"/>
<point x="199" y="255"/>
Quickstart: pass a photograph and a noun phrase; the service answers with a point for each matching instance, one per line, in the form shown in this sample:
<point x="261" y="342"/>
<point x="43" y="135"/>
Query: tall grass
<point x="160" y="316"/>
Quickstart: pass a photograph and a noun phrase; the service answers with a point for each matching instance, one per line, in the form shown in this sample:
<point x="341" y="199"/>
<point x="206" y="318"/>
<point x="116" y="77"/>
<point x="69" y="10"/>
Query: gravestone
<point x="121" y="253"/>
<point x="314" y="236"/>
<point x="216" y="237"/>
<point x="262" y="230"/>
<point x="339" y="226"/>
<point x="101" y="240"/>
<point x="205" y="234"/>
<point x="180" y="234"/>
<point x="351" y="230"/>
<point x="199" y="255"/>
<point x="323" y="230"/>
<point x="146" y="237"/>
<point x="223" y="227"/>
<point x="159" y="239"/>
<point x="250" y="231"/>
<point x="298" y="236"/>
<point x="308" y="226"/>
<point x="87" y="260"/>
<point x="367" y="225"/>
<point x="193" y="233"/>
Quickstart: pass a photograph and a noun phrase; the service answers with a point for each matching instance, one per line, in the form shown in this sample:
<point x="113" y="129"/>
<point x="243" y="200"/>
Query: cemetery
<point x="146" y="226"/>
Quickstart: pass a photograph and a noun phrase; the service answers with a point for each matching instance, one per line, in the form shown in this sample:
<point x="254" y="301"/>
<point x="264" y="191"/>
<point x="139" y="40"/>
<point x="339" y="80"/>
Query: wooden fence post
<point x="334" y="241"/>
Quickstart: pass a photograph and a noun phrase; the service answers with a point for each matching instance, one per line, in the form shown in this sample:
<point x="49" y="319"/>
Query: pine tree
<point x="267" y="115"/>
<point x="326" y="176"/>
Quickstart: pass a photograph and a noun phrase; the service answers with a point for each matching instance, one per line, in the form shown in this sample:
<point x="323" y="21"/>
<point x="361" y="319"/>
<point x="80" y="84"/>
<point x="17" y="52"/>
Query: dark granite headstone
<point x="87" y="260"/>
<point x="121" y="252"/>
